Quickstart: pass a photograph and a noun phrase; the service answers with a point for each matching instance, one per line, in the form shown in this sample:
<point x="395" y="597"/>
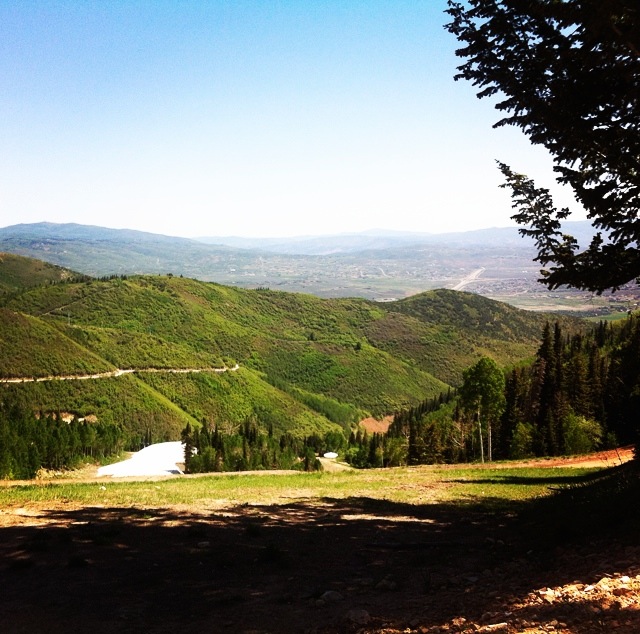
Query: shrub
<point x="581" y="435"/>
<point x="522" y="441"/>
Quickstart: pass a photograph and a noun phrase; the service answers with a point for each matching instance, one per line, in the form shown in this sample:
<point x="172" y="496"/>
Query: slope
<point x="31" y="347"/>
<point x="446" y="331"/>
<point x="18" y="272"/>
<point x="307" y="364"/>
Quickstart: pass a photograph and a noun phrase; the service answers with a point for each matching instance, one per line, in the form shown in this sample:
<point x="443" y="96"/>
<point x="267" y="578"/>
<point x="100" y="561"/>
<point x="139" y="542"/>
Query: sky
<point x="260" y="118"/>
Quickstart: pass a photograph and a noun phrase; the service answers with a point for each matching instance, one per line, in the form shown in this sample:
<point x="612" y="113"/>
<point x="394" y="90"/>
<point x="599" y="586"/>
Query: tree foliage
<point x="209" y="448"/>
<point x="482" y="394"/>
<point x="580" y="393"/>
<point x="30" y="442"/>
<point x="567" y="73"/>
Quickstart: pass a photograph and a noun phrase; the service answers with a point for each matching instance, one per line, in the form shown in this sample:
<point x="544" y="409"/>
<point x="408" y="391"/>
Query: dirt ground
<point x="375" y="426"/>
<point x="355" y="565"/>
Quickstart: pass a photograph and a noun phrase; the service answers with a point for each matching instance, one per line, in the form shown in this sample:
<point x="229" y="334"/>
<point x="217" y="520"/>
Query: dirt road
<point x="117" y="372"/>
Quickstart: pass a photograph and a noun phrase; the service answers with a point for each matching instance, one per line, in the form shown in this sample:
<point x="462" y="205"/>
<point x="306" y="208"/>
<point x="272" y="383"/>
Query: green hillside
<point x="33" y="347"/>
<point x="446" y="331"/>
<point x="307" y="364"/>
<point x="18" y="272"/>
<point x="125" y="401"/>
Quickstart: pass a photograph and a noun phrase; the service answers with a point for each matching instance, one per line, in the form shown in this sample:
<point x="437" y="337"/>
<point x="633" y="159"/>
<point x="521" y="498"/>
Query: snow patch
<point x="158" y="459"/>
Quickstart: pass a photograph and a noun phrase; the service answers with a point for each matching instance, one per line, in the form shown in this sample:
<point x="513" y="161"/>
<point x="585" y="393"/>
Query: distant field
<point x="578" y="303"/>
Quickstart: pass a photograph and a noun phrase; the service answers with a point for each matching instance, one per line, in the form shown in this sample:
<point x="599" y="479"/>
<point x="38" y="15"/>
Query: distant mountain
<point x="378" y="265"/>
<point x="99" y="251"/>
<point x="72" y="231"/>
<point x="321" y="245"/>
<point x="379" y="239"/>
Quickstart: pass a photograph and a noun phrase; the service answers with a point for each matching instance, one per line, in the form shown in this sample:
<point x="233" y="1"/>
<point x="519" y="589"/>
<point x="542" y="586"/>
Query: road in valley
<point x="474" y="275"/>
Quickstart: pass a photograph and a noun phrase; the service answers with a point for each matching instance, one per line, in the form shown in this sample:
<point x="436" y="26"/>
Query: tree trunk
<point x="489" y="449"/>
<point x="480" y="435"/>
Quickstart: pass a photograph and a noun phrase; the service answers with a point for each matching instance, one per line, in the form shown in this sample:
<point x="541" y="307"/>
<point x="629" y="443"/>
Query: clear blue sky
<point x="246" y="117"/>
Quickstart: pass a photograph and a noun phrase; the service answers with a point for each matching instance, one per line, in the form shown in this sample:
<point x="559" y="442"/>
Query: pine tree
<point x="567" y="76"/>
<point x="187" y="440"/>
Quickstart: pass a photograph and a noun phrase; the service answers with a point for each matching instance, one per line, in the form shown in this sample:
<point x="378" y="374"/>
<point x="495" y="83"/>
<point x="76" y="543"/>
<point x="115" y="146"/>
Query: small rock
<point x="358" y="616"/>
<point x="386" y="584"/>
<point x="620" y="592"/>
<point x="330" y="596"/>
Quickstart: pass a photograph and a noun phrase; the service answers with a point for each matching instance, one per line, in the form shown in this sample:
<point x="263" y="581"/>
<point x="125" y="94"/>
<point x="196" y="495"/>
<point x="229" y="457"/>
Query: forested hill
<point x="306" y="364"/>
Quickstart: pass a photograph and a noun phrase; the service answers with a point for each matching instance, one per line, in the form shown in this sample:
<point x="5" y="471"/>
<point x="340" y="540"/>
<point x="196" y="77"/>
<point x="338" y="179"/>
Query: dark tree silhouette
<point x="568" y="75"/>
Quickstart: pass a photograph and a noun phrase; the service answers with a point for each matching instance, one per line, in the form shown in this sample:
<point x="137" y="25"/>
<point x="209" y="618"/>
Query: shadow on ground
<point x="498" y="478"/>
<point x="331" y="566"/>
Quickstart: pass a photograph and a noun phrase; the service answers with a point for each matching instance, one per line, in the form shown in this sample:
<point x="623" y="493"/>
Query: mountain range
<point x="374" y="265"/>
<point x="379" y="239"/>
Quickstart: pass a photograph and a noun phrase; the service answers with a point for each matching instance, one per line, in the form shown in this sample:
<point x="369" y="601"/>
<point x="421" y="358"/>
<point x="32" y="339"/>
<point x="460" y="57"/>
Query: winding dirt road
<point x="114" y="373"/>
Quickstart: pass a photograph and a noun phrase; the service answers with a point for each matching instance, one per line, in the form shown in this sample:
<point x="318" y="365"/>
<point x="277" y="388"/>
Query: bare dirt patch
<point x="375" y="426"/>
<point x="341" y="566"/>
<point x="600" y="459"/>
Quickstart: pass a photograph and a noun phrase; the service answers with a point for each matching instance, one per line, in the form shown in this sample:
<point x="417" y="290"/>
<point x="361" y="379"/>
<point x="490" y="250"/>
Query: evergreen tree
<point x="187" y="440"/>
<point x="514" y="412"/>
<point x="568" y="74"/>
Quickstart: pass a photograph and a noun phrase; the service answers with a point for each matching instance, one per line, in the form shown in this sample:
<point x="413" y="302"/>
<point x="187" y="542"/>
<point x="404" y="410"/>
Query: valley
<point x="377" y="267"/>
<point x="418" y="549"/>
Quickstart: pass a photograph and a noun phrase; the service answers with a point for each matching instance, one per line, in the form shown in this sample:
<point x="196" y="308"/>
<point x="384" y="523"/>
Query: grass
<point x="409" y="485"/>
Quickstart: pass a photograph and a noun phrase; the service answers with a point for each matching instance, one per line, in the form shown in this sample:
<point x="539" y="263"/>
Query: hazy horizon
<point x="372" y="232"/>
